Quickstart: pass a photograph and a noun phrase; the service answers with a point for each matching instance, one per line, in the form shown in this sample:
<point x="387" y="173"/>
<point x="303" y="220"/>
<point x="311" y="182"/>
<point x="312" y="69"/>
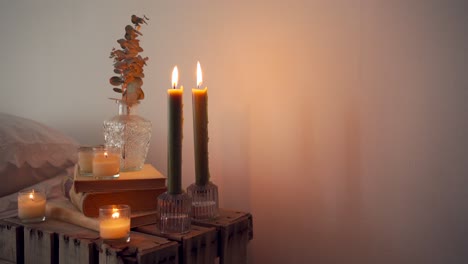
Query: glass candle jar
<point x="31" y="206"/>
<point x="106" y="162"/>
<point x="85" y="160"/>
<point x="114" y="223"/>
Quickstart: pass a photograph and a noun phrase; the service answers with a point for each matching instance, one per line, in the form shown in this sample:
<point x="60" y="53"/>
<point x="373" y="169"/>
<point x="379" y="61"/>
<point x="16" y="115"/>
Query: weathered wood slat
<point x="39" y="246"/>
<point x="49" y="242"/>
<point x="142" y="249"/>
<point x="73" y="249"/>
<point x="11" y="243"/>
<point x="235" y="229"/>
<point x="199" y="246"/>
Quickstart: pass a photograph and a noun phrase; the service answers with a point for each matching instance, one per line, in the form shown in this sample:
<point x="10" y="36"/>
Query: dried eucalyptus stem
<point x="128" y="64"/>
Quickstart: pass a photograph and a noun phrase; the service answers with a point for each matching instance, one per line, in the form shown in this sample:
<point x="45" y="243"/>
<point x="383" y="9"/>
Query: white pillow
<point x="31" y="152"/>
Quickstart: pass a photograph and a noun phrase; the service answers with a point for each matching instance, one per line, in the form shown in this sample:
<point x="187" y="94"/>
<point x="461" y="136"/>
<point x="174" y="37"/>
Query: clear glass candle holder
<point x="31" y="206"/>
<point x="106" y="162"/>
<point x="174" y="212"/>
<point x="114" y="223"/>
<point x="85" y="160"/>
<point x="205" y="205"/>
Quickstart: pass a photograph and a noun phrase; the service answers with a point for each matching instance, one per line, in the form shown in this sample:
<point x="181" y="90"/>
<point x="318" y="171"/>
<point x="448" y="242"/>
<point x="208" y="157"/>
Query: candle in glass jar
<point x="106" y="163"/>
<point x="85" y="160"/>
<point x="114" y="223"/>
<point x="31" y="205"/>
<point x="114" y="228"/>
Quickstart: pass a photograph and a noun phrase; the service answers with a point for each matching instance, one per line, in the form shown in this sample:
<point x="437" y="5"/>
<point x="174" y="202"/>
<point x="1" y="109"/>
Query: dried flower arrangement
<point x="129" y="64"/>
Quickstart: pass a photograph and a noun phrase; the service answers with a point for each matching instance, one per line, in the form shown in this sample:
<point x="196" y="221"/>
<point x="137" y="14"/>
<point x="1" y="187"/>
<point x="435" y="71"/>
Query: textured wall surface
<point x="341" y="125"/>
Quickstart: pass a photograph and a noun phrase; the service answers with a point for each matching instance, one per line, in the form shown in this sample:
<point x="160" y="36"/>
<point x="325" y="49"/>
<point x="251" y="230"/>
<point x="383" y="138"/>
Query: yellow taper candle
<point x="174" y="147"/>
<point x="200" y="130"/>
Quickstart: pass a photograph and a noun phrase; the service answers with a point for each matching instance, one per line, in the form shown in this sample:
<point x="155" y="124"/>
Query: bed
<point x="33" y="155"/>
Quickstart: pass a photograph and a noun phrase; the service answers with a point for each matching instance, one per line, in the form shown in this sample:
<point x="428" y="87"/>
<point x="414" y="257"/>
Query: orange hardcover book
<point x="138" y="200"/>
<point x="146" y="178"/>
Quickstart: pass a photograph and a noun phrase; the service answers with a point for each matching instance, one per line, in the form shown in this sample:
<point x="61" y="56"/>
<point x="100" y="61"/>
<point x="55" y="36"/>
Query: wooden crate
<point x="54" y="241"/>
<point x="235" y="229"/>
<point x="77" y="248"/>
<point x="142" y="249"/>
<point x="199" y="246"/>
<point x="39" y="246"/>
<point x="11" y="242"/>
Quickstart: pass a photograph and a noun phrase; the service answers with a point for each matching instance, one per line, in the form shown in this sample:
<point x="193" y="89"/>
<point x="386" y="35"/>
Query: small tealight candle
<point x="114" y="222"/>
<point x="106" y="162"/>
<point x="31" y="206"/>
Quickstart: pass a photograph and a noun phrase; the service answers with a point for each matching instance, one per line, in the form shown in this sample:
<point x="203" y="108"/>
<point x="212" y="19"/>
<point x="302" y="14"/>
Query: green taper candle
<point x="200" y="130"/>
<point x="174" y="147"/>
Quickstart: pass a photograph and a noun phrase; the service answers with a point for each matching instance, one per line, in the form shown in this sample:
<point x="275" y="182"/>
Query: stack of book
<point x="138" y="189"/>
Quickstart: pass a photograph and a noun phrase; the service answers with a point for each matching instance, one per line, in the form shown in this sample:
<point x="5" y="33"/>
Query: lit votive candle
<point x="106" y="162"/>
<point x="31" y="206"/>
<point x="114" y="222"/>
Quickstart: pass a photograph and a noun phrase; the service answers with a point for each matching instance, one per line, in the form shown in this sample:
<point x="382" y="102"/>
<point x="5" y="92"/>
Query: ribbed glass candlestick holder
<point x="174" y="212"/>
<point x="205" y="205"/>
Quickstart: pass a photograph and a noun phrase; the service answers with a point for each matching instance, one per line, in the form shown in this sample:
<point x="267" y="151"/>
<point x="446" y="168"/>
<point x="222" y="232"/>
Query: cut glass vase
<point x="131" y="133"/>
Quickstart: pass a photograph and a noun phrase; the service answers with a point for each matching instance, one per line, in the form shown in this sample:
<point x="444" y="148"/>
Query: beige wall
<point x="341" y="125"/>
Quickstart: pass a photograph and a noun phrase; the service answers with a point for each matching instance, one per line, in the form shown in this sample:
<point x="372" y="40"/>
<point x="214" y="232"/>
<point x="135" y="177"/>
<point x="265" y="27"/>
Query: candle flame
<point x="31" y="195"/>
<point x="105" y="154"/>
<point x="115" y="213"/>
<point x="175" y="77"/>
<point x="199" y="75"/>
